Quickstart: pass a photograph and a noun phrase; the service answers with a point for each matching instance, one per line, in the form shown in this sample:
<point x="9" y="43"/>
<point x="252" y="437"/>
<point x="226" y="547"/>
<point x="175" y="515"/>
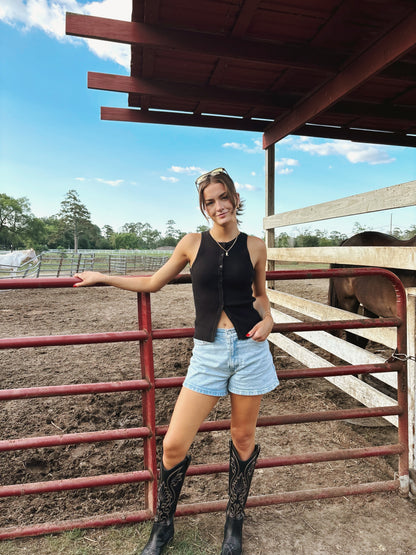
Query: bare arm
<point x="259" y="255"/>
<point x="146" y="284"/>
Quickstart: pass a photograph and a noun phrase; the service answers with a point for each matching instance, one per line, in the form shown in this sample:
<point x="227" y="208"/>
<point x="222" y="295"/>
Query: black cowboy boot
<point x="241" y="473"/>
<point x="168" y="493"/>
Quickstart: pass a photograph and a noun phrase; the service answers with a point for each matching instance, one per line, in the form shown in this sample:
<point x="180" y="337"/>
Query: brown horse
<point x="372" y="295"/>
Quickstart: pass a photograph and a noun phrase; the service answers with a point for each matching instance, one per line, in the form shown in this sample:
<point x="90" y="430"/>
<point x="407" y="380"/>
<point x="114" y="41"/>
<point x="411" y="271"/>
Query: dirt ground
<point x="367" y="524"/>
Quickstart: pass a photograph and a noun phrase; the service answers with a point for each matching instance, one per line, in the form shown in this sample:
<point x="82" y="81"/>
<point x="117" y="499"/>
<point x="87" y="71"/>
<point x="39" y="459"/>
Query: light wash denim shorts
<point x="229" y="364"/>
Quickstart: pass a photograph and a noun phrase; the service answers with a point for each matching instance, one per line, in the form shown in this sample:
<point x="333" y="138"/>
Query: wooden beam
<point x="382" y="53"/>
<point x="178" y="118"/>
<point x="382" y="110"/>
<point x="356" y="135"/>
<point x="138" y="85"/>
<point x="245" y="17"/>
<point x="246" y="124"/>
<point x="204" y="43"/>
<point x="396" y="196"/>
<point x="380" y="257"/>
<point x="320" y="311"/>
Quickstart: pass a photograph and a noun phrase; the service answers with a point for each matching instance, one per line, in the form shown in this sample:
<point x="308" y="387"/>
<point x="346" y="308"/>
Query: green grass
<point x="122" y="540"/>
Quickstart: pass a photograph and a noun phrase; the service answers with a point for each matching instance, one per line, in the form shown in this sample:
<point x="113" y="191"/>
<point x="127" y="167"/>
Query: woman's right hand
<point x="89" y="278"/>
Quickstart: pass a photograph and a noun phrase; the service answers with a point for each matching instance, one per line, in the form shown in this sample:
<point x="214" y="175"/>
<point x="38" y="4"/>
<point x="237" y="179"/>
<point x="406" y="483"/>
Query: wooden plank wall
<point x="396" y="196"/>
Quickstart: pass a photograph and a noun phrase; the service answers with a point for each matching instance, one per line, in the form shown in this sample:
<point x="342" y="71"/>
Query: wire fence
<point x="66" y="264"/>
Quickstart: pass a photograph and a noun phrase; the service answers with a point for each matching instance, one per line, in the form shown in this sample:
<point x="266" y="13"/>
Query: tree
<point x="359" y="228"/>
<point x="125" y="241"/>
<point x="337" y="238"/>
<point x="14" y="216"/>
<point x="132" y="227"/>
<point x="409" y="233"/>
<point x="36" y="234"/>
<point x="307" y="240"/>
<point x="151" y="237"/>
<point x="173" y="235"/>
<point x="108" y="231"/>
<point x="74" y="216"/>
<point x="283" y="240"/>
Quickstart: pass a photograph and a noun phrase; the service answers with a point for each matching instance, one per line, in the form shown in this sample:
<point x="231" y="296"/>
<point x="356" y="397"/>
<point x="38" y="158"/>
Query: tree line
<point x="318" y="238"/>
<point x="72" y="228"/>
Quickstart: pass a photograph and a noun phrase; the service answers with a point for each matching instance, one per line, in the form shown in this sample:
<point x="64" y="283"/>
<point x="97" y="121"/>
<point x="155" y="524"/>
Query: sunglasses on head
<point x="212" y="173"/>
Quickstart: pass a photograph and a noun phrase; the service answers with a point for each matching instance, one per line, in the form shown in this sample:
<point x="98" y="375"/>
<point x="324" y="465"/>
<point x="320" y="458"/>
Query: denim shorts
<point x="229" y="364"/>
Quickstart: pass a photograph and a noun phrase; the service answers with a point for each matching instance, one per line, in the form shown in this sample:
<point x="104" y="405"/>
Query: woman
<point x="230" y="355"/>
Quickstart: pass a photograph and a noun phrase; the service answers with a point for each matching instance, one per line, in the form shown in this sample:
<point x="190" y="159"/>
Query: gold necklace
<point x="224" y="249"/>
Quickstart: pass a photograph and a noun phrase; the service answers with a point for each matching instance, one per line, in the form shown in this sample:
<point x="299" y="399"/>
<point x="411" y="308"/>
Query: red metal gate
<point x="150" y="430"/>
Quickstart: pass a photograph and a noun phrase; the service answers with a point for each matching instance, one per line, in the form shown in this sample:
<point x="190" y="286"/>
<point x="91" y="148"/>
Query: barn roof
<point x="323" y="68"/>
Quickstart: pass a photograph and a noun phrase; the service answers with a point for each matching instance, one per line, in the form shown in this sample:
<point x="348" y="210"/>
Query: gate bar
<point x="200" y="508"/>
<point x="121" y="336"/>
<point x="72" y="439"/>
<point x="75" y="483"/>
<point x="217" y="425"/>
<point x="72" y="389"/>
<point x="200" y="470"/>
<point x="292" y="497"/>
<point x="163" y="383"/>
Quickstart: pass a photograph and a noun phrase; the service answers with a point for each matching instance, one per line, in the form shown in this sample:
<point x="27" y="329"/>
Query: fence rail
<point x="67" y="264"/>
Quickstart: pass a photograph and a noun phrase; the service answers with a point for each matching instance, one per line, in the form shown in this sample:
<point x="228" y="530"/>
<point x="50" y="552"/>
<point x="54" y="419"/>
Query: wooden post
<point x="411" y="366"/>
<point x="270" y="204"/>
<point x="270" y="208"/>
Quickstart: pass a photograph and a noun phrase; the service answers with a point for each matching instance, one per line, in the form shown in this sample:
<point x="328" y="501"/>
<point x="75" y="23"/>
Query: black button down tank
<point x="223" y="282"/>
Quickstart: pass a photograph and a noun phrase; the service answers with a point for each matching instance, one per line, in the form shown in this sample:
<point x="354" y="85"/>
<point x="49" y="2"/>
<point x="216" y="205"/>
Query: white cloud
<point x="284" y="166"/>
<point x="247" y="186"/>
<point x="353" y="152"/>
<point x="171" y="179"/>
<point x="113" y="183"/>
<point x="189" y="170"/>
<point x="49" y="16"/>
<point x="249" y="150"/>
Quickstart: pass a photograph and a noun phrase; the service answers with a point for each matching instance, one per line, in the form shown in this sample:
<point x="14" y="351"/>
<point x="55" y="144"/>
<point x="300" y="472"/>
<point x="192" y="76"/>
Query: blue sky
<point x="52" y="140"/>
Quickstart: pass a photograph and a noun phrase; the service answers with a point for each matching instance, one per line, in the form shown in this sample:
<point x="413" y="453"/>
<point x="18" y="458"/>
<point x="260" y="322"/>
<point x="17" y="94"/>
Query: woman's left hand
<point x="262" y="329"/>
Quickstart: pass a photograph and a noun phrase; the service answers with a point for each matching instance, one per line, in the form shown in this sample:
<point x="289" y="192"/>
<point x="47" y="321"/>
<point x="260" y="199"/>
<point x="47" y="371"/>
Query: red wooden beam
<point x="160" y="88"/>
<point x="385" y="51"/>
<point x="243" y="124"/>
<point x="356" y="135"/>
<point x="177" y="118"/>
<point x="205" y="43"/>
<point x="139" y="85"/>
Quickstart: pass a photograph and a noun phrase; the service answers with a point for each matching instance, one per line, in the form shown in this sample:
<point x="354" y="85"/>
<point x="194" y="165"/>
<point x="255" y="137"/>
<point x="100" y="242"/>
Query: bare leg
<point x="190" y="411"/>
<point x="244" y="413"/>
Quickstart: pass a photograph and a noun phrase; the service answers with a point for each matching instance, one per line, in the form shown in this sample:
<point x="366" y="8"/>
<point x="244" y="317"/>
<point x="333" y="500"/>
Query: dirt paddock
<point x="366" y="524"/>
